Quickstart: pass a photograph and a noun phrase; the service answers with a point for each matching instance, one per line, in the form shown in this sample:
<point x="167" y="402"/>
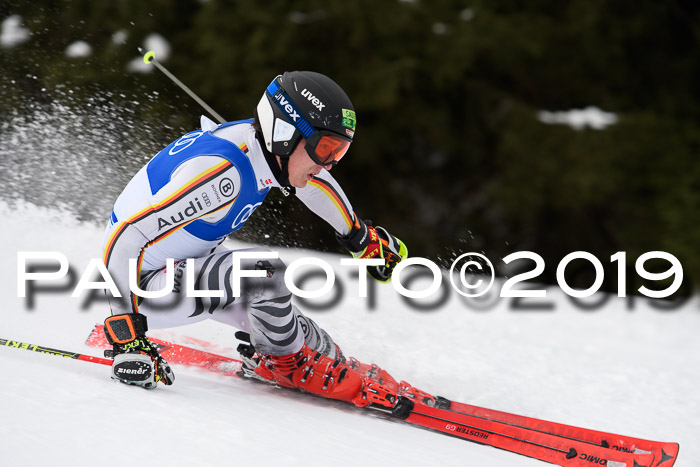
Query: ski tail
<point x="177" y="354"/>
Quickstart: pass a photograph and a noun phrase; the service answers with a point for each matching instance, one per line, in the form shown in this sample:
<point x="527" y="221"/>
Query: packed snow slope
<point x="625" y="367"/>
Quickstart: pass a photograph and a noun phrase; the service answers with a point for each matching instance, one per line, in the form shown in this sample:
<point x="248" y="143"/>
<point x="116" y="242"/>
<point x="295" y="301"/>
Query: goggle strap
<point x="277" y="93"/>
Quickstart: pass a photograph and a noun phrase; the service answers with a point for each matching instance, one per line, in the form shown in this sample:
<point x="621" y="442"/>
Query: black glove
<point x="365" y="241"/>
<point x="136" y="359"/>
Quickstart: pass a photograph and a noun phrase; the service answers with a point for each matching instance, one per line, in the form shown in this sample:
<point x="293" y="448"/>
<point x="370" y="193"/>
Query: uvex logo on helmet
<point x="313" y="99"/>
<point x="287" y="107"/>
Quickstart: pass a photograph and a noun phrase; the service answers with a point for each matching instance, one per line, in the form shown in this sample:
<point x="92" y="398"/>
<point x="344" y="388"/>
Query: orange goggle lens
<point x="329" y="150"/>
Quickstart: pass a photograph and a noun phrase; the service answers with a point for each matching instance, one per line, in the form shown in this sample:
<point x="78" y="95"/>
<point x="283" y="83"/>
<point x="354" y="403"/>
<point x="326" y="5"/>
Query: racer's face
<point x="301" y="168"/>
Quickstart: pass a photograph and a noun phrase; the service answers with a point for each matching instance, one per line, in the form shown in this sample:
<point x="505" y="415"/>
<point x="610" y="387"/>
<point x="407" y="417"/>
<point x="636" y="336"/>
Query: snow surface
<point x="632" y="371"/>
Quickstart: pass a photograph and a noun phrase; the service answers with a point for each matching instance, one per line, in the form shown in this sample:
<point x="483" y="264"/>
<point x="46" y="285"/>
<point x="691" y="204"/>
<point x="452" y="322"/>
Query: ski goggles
<point x="326" y="148"/>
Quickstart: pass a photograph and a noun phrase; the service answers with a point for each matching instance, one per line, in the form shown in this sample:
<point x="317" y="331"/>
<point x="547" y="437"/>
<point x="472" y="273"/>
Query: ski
<point x="560" y="444"/>
<point x="531" y="443"/>
<point x="665" y="453"/>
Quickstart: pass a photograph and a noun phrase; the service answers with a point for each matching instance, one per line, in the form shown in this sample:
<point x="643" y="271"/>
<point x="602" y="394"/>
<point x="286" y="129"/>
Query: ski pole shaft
<point x="150" y="57"/>
<point x="58" y="353"/>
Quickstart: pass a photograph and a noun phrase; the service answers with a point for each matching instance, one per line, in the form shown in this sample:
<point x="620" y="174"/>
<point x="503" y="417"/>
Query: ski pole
<point x="150" y="57"/>
<point x="58" y="353"/>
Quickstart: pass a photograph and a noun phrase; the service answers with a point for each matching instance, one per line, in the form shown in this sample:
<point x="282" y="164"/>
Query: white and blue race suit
<point x="182" y="204"/>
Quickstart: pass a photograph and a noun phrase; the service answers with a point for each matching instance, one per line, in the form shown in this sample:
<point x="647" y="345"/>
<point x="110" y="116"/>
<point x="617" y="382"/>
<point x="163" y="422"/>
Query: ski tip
<point x="669" y="454"/>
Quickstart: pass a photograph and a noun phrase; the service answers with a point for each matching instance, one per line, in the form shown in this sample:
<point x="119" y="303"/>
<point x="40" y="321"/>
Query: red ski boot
<point x="372" y="372"/>
<point x="309" y="370"/>
<point x="313" y="372"/>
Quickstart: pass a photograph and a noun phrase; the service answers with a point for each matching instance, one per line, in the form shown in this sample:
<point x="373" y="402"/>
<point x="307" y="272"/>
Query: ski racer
<point x="199" y="189"/>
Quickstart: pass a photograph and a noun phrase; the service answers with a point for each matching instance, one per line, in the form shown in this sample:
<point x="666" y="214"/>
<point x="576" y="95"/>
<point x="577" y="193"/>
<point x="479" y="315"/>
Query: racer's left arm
<point x="324" y="196"/>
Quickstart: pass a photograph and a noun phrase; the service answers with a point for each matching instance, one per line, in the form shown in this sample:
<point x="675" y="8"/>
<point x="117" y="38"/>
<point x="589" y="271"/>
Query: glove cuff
<point x="357" y="239"/>
<point x="121" y="329"/>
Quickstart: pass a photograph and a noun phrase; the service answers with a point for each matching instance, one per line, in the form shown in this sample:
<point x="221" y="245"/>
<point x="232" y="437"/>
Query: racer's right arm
<point x="324" y="196"/>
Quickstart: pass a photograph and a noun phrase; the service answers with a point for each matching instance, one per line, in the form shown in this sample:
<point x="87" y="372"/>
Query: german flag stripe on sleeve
<point x="328" y="189"/>
<point x="201" y="179"/>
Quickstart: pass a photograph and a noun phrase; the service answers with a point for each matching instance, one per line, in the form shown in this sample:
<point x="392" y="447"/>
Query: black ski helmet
<point x="309" y="105"/>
